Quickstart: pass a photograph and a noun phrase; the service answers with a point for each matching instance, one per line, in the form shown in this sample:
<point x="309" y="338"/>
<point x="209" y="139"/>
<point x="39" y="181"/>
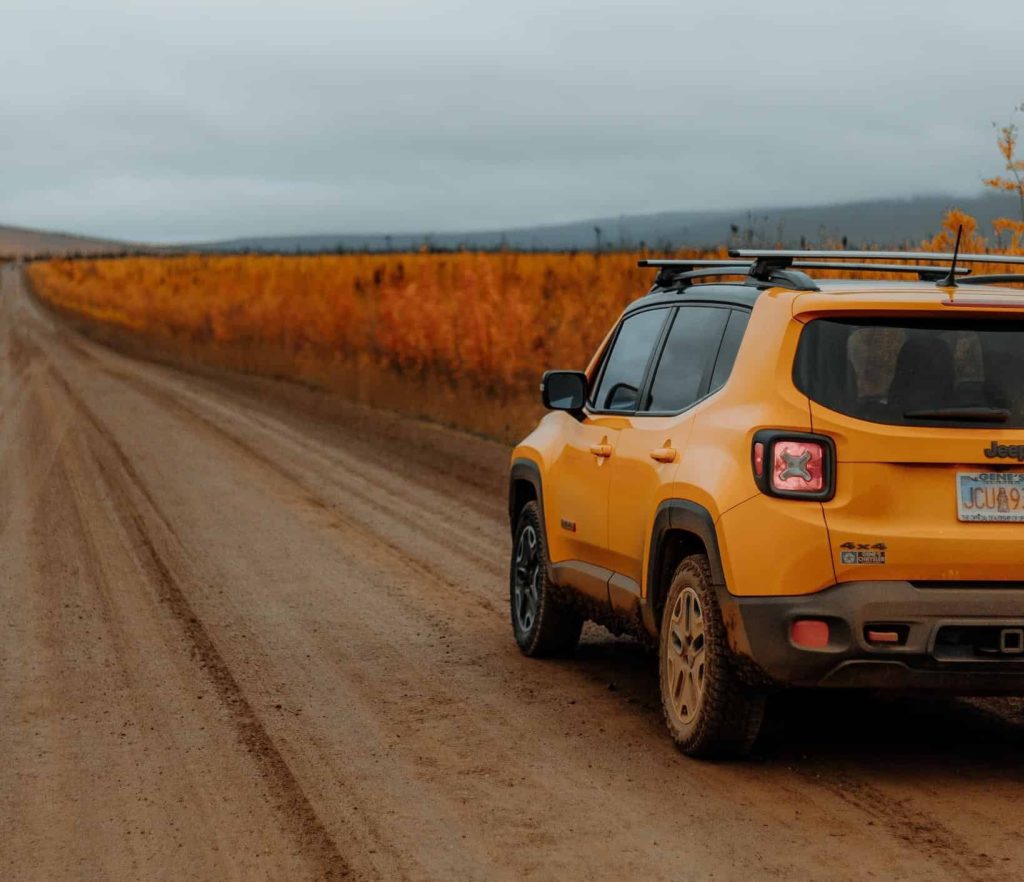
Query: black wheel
<point x="542" y="623"/>
<point x="710" y="712"/>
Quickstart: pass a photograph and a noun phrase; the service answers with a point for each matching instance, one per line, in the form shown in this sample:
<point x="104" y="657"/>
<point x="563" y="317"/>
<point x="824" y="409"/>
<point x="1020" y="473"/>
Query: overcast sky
<point x="180" y="120"/>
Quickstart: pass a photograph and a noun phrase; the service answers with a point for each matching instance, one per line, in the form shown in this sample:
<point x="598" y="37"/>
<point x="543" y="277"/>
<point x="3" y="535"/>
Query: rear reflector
<point x="809" y="633"/>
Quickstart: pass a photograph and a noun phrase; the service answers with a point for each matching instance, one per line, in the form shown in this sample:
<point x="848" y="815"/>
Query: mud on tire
<point x="709" y="711"/>
<point x="542" y="623"/>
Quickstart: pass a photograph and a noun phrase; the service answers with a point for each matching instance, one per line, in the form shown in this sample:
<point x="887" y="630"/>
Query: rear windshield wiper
<point x="963" y="414"/>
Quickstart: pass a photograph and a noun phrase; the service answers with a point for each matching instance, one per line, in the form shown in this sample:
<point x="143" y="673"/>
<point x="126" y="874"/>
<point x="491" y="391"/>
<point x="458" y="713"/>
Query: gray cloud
<point x="170" y="120"/>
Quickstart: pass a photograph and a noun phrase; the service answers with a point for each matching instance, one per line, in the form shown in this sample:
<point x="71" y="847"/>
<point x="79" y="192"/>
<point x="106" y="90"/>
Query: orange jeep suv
<point x="778" y="481"/>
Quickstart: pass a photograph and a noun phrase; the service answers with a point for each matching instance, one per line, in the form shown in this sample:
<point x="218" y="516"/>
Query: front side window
<point x="916" y="372"/>
<point x="683" y="375"/>
<point x="626" y="364"/>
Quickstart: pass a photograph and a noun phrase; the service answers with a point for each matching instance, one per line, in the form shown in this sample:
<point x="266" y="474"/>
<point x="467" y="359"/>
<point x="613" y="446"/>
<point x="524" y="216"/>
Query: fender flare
<point x="686" y="516"/>
<point x="527" y="470"/>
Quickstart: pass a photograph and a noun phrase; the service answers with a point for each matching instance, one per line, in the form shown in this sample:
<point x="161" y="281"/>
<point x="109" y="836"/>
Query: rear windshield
<point x="912" y="372"/>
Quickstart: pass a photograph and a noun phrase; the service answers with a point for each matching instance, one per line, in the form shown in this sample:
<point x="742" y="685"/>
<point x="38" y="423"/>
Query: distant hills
<point x="20" y="242"/>
<point x="877" y="222"/>
<point x="890" y="222"/>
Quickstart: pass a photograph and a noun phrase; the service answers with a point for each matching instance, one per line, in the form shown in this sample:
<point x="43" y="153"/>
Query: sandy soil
<point x="242" y="640"/>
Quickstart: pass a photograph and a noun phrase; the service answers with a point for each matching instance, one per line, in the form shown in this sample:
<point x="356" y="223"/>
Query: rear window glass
<point x="914" y="372"/>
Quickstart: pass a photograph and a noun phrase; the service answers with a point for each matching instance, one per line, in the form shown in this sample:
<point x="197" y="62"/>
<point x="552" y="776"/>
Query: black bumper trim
<point x="759" y="633"/>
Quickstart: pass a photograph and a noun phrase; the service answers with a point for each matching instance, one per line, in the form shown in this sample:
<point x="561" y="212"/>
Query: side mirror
<point x="564" y="390"/>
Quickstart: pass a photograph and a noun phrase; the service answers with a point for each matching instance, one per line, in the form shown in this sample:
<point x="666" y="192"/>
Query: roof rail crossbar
<point x="758" y="253"/>
<point x="924" y="273"/>
<point x="708" y="272"/>
<point x="995" y="279"/>
<point x="676" y="270"/>
<point x="765" y="273"/>
<point x="783" y="268"/>
<point x="685" y="265"/>
<point x="775" y="271"/>
<point x="669" y="270"/>
<point x="676" y="262"/>
<point x="783" y="278"/>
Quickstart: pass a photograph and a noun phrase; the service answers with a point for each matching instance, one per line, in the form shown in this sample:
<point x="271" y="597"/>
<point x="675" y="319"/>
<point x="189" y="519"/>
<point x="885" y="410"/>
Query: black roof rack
<point x="943" y="277"/>
<point x="925" y="273"/>
<point x="679" y="267"/>
<point x="765" y="274"/>
<point x="783" y="254"/>
<point x="685" y="261"/>
<point x="995" y="279"/>
<point x="779" y="267"/>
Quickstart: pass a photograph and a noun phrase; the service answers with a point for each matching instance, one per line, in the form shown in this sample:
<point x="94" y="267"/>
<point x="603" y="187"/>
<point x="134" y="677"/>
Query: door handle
<point x="664" y="454"/>
<point x="602" y="450"/>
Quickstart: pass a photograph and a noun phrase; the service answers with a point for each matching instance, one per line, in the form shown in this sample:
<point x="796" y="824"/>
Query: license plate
<point x="990" y="496"/>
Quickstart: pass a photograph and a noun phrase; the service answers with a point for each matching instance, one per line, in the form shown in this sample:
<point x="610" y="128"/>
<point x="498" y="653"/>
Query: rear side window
<point x="916" y="372"/>
<point x="730" y="347"/>
<point x="626" y="364"/>
<point x="684" y="370"/>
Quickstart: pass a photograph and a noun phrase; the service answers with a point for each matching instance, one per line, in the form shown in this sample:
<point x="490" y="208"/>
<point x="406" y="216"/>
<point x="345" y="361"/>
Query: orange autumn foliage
<point x="489" y="322"/>
<point x="494" y="319"/>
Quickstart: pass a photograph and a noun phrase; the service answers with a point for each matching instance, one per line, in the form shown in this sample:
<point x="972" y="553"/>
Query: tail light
<point x="796" y="465"/>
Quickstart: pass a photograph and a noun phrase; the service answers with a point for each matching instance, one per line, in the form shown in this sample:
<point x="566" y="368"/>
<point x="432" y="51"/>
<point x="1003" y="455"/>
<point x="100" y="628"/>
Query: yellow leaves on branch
<point x="1010" y="233"/>
<point x="971" y="243"/>
<point x="1007" y="142"/>
<point x="1009" y="238"/>
<point x="1005" y="183"/>
<point x="1014" y="181"/>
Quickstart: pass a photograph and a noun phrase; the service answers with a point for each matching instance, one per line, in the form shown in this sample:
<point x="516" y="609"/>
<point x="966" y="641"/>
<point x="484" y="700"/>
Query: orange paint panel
<point x="911" y="510"/>
<point x="775" y="546"/>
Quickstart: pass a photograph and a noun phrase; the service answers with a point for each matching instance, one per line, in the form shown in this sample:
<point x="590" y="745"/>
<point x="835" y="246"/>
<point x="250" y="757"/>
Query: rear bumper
<point x="759" y="632"/>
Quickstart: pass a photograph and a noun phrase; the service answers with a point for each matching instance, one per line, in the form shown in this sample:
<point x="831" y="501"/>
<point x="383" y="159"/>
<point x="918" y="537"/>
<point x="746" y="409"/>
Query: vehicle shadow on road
<point x="911" y="730"/>
<point x="622" y="665"/>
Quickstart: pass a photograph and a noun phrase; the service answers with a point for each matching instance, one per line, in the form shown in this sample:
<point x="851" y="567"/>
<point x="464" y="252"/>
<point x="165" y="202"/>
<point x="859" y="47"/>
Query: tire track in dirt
<point x="447" y="538"/>
<point x="313" y="499"/>
<point x="74" y="516"/>
<point x="922" y="833"/>
<point x="296" y="809"/>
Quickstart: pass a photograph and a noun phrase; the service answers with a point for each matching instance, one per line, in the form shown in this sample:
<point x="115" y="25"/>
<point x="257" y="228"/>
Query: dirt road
<point x="245" y="634"/>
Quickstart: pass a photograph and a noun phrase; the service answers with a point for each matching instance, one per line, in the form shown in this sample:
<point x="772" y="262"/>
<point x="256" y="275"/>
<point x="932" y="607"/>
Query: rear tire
<point x="709" y="711"/>
<point x="542" y="623"/>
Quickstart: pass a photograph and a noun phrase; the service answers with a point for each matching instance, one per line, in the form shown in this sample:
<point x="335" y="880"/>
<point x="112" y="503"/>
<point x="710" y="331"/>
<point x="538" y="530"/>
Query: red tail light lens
<point x="759" y="459"/>
<point x="798" y="466"/>
<point x="795" y="465"/>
